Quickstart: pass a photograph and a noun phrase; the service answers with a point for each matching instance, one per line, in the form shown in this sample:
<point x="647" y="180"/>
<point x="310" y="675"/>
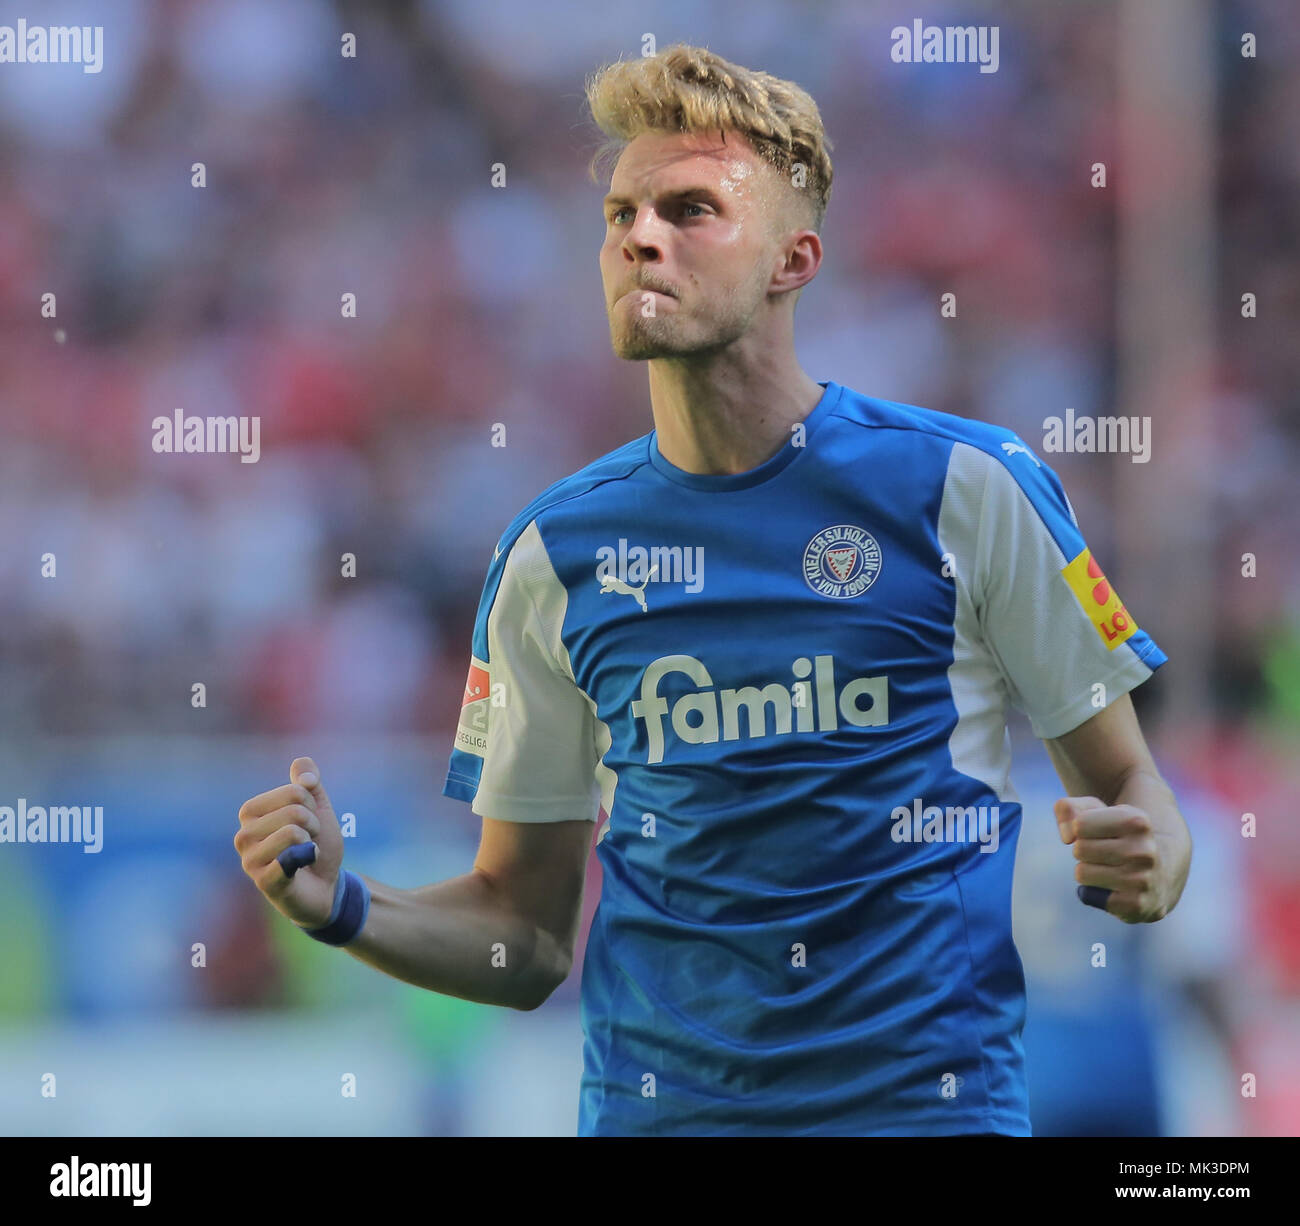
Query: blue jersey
<point x="783" y="694"/>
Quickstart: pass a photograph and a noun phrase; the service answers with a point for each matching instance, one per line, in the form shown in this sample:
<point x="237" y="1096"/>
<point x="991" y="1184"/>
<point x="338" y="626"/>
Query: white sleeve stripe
<point x="979" y="744"/>
<point x="539" y="763"/>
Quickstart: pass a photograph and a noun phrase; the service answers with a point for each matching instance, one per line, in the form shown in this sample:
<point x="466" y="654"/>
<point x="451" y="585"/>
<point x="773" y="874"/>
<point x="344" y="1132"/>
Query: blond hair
<point x="689" y="89"/>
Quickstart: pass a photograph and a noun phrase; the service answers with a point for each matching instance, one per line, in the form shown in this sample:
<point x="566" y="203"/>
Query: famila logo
<point x="705" y="717"/>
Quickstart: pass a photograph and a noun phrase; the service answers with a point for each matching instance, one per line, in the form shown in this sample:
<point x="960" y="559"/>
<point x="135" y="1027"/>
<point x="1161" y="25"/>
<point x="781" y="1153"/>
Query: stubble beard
<point x="638" y="337"/>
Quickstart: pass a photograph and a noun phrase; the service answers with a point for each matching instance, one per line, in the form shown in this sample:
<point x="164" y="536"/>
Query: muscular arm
<point x="1107" y="758"/>
<point x="522" y="902"/>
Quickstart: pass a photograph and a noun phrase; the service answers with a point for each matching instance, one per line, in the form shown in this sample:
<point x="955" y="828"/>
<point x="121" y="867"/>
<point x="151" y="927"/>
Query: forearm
<point x="460" y="938"/>
<point x="1147" y="791"/>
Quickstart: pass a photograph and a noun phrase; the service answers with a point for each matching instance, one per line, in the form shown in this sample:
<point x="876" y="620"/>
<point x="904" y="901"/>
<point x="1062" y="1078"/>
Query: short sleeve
<point x="525" y="746"/>
<point x="1047" y="612"/>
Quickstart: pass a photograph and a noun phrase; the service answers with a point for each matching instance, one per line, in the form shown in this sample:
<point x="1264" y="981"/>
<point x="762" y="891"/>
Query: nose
<point x="640" y="242"/>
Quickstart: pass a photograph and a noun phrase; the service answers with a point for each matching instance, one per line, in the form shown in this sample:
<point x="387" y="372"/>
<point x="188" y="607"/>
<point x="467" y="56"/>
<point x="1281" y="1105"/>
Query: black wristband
<point x="348" y="916"/>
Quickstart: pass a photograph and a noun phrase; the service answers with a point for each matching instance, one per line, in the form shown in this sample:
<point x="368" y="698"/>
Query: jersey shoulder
<point x="993" y="454"/>
<point x="613" y="466"/>
<point x="873" y="412"/>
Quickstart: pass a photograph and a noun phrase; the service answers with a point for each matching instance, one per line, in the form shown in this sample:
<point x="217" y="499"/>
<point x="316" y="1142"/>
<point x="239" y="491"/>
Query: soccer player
<point x="768" y="647"/>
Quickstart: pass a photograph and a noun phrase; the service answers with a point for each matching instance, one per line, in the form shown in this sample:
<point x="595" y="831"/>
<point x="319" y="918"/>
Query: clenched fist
<point x="296" y="813"/>
<point x="1122" y="866"/>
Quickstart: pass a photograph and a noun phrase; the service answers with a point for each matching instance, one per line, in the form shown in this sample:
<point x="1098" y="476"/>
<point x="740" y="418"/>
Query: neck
<point x="724" y="413"/>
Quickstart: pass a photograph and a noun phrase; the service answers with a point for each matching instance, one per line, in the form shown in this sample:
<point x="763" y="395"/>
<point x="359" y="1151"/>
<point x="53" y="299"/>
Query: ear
<point x="802" y="258"/>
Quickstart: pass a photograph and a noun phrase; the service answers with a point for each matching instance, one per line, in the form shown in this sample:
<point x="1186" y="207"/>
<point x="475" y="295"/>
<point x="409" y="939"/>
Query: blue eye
<point x="616" y="215"/>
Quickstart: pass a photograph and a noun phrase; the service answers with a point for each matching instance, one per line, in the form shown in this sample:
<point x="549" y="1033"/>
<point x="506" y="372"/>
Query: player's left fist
<point x="1117" y="850"/>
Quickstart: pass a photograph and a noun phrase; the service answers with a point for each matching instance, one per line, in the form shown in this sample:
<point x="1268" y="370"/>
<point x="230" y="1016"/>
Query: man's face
<point x="689" y="245"/>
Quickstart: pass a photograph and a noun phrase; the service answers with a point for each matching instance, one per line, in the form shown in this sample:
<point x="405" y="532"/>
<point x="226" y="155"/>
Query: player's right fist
<point x="295" y="814"/>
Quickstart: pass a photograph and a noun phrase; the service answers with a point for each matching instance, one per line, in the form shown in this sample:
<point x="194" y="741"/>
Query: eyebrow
<point x="703" y="193"/>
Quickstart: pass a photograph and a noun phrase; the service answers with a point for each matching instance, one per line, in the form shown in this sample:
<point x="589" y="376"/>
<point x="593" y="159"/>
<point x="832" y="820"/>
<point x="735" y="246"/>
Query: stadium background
<point x="482" y="305"/>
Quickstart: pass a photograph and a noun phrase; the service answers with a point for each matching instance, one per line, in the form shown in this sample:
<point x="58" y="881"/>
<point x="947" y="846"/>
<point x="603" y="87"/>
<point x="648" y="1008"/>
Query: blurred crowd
<point x="480" y="320"/>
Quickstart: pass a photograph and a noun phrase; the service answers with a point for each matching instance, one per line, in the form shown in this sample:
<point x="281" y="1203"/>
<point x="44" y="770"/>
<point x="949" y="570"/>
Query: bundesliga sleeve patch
<point x="1099" y="600"/>
<point x="471" y="732"/>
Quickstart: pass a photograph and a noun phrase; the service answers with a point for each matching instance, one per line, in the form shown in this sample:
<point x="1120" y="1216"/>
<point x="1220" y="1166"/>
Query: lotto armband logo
<point x="1100" y="601"/>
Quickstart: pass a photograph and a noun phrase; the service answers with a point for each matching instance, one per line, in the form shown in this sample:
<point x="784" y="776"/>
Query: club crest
<point x="841" y="562"/>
